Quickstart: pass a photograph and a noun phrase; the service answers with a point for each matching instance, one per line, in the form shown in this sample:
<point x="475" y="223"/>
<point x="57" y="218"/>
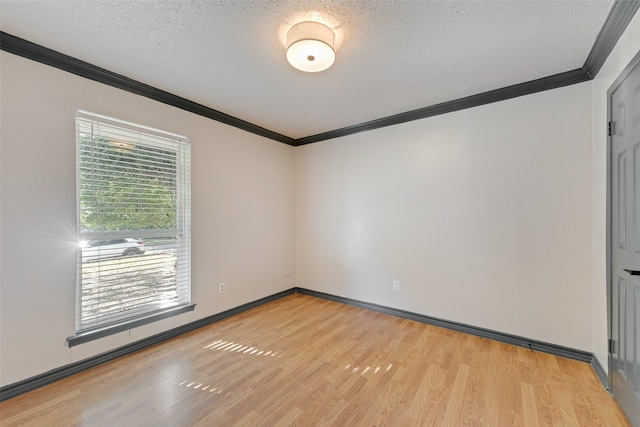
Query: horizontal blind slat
<point x="132" y="181"/>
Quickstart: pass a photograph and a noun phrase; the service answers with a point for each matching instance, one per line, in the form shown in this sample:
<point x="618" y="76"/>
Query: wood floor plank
<point x="306" y="361"/>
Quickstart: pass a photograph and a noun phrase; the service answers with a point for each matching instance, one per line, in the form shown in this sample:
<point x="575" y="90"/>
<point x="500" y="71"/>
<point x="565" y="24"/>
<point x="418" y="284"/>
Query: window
<point x="134" y="231"/>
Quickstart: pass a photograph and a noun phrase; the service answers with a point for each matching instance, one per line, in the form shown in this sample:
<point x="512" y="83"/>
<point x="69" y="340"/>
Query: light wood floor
<point x="310" y="362"/>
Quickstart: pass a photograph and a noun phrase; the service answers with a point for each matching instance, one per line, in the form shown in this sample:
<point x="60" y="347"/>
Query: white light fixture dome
<point x="310" y="47"/>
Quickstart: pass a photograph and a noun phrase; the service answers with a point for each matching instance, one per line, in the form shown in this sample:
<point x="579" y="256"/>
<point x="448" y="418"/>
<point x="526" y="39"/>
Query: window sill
<point x="95" y="334"/>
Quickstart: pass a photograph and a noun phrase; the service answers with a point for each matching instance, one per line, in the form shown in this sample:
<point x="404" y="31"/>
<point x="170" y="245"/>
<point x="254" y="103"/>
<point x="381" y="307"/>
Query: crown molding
<point x="527" y="88"/>
<point x="615" y="24"/>
<point x="35" y="52"/>
<point x="621" y="13"/>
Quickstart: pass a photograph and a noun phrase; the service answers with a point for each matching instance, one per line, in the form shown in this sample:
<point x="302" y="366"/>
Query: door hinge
<point x="612" y="346"/>
<point x="612" y="128"/>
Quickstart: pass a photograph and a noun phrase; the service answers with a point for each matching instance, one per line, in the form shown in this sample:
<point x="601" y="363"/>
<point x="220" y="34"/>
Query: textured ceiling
<point x="392" y="57"/>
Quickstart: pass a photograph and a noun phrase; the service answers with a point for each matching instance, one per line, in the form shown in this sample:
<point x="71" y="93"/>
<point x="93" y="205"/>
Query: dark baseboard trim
<point x="557" y="350"/>
<point x="24" y="386"/>
<point x="600" y="372"/>
<point x="35" y="52"/>
<point x="615" y="24"/>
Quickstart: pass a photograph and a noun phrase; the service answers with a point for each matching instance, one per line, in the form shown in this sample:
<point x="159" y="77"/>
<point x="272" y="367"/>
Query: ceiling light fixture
<point x="310" y="47"/>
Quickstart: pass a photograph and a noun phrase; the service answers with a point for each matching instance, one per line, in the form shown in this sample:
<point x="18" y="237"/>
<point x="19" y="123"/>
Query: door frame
<point x="609" y="250"/>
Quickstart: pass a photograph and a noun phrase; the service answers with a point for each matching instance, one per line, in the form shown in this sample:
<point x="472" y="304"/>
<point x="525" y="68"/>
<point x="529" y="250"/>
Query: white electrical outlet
<point x="396" y="285"/>
<point x="222" y="288"/>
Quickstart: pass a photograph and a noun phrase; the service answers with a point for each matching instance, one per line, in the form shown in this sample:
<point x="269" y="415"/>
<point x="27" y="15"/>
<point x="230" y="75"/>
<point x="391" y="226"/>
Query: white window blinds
<point x="133" y="214"/>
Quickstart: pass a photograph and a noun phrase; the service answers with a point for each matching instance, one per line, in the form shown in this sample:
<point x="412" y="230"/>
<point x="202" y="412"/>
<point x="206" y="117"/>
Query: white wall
<point x="493" y="216"/>
<point x="626" y="48"/>
<point x="483" y="214"/>
<point x="242" y="213"/>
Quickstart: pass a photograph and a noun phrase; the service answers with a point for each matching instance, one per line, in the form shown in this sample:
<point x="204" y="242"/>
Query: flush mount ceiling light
<point x="310" y="47"/>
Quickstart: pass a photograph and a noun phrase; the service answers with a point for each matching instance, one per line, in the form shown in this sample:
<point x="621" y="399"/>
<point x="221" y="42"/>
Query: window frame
<point x="146" y="312"/>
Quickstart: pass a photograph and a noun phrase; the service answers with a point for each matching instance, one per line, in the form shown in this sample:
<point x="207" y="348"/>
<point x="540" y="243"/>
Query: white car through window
<point x="99" y="249"/>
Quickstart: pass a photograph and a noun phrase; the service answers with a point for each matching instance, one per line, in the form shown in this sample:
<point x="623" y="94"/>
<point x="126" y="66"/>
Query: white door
<point x="624" y="238"/>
